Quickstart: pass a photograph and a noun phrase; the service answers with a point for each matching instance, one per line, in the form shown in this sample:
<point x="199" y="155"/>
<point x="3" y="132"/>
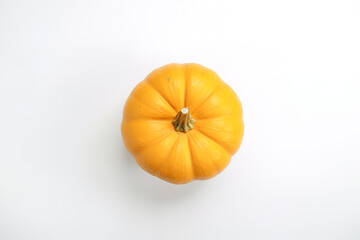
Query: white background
<point x="67" y="67"/>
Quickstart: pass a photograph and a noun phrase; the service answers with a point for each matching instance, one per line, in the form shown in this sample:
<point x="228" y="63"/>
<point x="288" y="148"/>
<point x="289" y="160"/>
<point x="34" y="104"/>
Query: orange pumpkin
<point x="182" y="123"/>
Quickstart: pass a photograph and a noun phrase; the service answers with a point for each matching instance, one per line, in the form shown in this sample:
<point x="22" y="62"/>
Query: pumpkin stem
<point x="183" y="122"/>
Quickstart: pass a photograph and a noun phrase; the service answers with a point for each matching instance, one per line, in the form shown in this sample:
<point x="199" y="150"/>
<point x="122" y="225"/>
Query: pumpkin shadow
<point x="149" y="188"/>
<point x="116" y="175"/>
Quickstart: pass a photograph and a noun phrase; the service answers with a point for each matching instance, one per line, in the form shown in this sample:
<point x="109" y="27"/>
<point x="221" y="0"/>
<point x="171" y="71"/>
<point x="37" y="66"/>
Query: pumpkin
<point x="182" y="123"/>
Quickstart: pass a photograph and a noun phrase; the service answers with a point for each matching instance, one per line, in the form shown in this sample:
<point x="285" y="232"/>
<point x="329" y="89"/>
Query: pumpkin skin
<point x="179" y="157"/>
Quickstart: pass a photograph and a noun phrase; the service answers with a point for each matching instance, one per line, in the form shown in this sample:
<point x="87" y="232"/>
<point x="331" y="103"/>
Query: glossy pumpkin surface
<point x="182" y="123"/>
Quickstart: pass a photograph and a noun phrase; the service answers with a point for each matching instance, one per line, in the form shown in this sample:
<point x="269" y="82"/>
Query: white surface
<point x="67" y="67"/>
